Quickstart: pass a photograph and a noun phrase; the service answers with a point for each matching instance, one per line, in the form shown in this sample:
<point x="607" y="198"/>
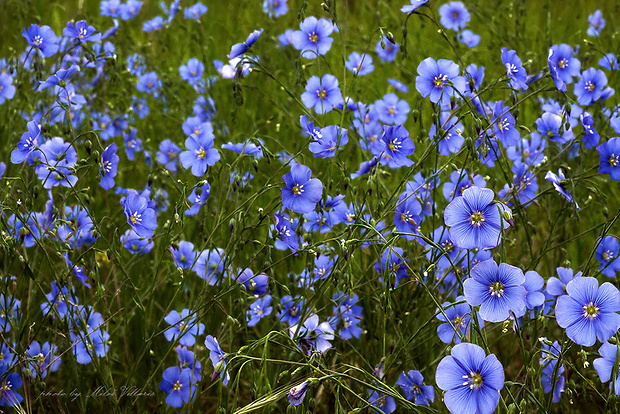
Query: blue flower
<point x="28" y="144"/>
<point x="81" y="32"/>
<point x="550" y="375"/>
<point x="149" y="83"/>
<point x="218" y="359"/>
<point x="240" y="48"/>
<point x="130" y="9"/>
<point x="176" y="383"/>
<point x="43" y="38"/>
<point x="607" y="253"/>
<point x="301" y="193"/>
<point x="392" y="265"/>
<point x="291" y="309"/>
<point x="562" y="65"/>
<point x="504" y="125"/>
<point x="559" y="183"/>
<point x="415" y="4"/>
<point x="42" y="359"/>
<point x="590" y="135"/>
<point x="386" y="49"/>
<point x="136" y="244"/>
<point x="140" y="216"/>
<point x="590" y="87"/>
<point x="184" y="254"/>
<point x="360" y="65"/>
<point x="313" y="39"/>
<point x="391" y="110"/>
<point x="497" y="289"/>
<point x="589" y="312"/>
<point x="168" y="155"/>
<point x="328" y="141"/>
<point x="87" y="345"/>
<point x="471" y="379"/>
<point x="448" y="131"/>
<point x="192" y="71"/>
<point x="109" y="166"/>
<point x="195" y="12"/>
<point x="322" y="94"/>
<point x="514" y="69"/>
<point x="297" y="394"/>
<point x="111" y="8"/>
<point x="438" y="80"/>
<point x="597" y="23"/>
<point x="474" y="219"/>
<point x="7" y="90"/>
<point x="407" y="216"/>
<point x="200" y="153"/>
<point x="254" y="284"/>
<point x="258" y="310"/>
<point x="183" y="327"/>
<point x="609" y="153"/>
<point x="382" y="403"/>
<point x="609" y="61"/>
<point x="275" y="8"/>
<point x="468" y="38"/>
<point x="454" y="15"/>
<point x="412" y="383"/>
<point x="132" y="144"/>
<point x="398" y="85"/>
<point x="187" y="359"/>
<point x="557" y="286"/>
<point x="9" y="382"/>
<point x="57" y="159"/>
<point x="156" y="23"/>
<point x="529" y="152"/>
<point x="604" y="366"/>
<point x="210" y="265"/>
<point x="457" y="321"/>
<point x="398" y="147"/>
<point x="312" y="336"/>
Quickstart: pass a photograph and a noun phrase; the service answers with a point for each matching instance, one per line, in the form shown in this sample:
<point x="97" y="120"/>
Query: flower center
<point x="511" y="68"/>
<point x="496" y="289"/>
<point x="473" y="380"/>
<point x="589" y="86"/>
<point x="298" y="189"/>
<point x="37" y="40"/>
<point x="458" y="321"/>
<point x="391" y="110"/>
<point x="440" y="81"/>
<point x="82" y="33"/>
<point x="590" y="311"/>
<point x="562" y="63"/>
<point x="613" y="160"/>
<point x="177" y="386"/>
<point x="321" y="93"/>
<point x="313" y="37"/>
<point x="407" y="218"/>
<point x="607" y="255"/>
<point x="477" y="218"/>
<point x="201" y="153"/>
<point x="135" y="218"/>
<point x="503" y="125"/>
<point x="394" y="145"/>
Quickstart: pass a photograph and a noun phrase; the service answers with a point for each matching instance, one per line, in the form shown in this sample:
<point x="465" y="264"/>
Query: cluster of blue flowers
<point x="442" y="228"/>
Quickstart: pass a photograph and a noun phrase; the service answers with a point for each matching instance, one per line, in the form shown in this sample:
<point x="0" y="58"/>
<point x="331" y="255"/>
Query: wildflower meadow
<point x="309" y="206"/>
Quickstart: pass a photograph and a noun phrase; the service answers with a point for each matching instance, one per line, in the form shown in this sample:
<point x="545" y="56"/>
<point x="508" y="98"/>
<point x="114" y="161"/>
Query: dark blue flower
<point x="184" y="254"/>
<point x="7" y="90"/>
<point x="448" y="133"/>
<point x="398" y="147"/>
<point x="456" y="318"/>
<point x="301" y="193"/>
<point x="192" y="71"/>
<point x="412" y="383"/>
<point x="28" y="144"/>
<point x="382" y="403"/>
<point x="254" y="284"/>
<point x="328" y="141"/>
<point x="195" y="12"/>
<point x="589" y="312"/>
<point x="136" y="244"/>
<point x="391" y="110"/>
<point x="550" y="375"/>
<point x="312" y="336"/>
<point x="563" y="65"/>
<point x="609" y="153"/>
<point x="176" y="383"/>
<point x="149" y="83"/>
<point x="468" y="38"/>
<point x="471" y="379"/>
<point x="42" y="359"/>
<point x="291" y="309"/>
<point x="360" y="65"/>
<point x="590" y="135"/>
<point x="168" y="155"/>
<point x="9" y="382"/>
<point x="210" y="265"/>
<point x="130" y="9"/>
<point x="297" y="394"/>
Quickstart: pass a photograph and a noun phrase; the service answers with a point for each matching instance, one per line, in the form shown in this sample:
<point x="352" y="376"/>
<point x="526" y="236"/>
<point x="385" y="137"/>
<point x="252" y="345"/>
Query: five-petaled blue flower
<point x="140" y="216"/>
<point x="301" y="193"/>
<point x="438" y="80"/>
